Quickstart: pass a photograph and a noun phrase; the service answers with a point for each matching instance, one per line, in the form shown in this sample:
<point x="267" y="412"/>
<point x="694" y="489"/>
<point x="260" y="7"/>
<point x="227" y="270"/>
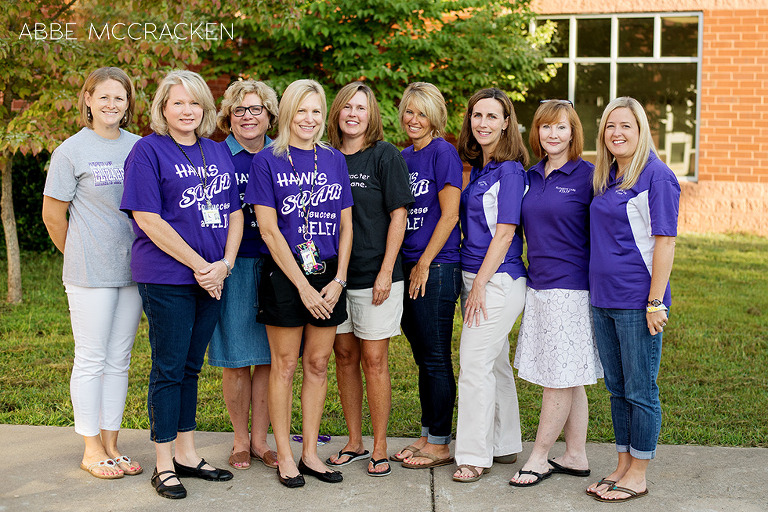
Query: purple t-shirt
<point x="431" y="169"/>
<point x="555" y="215"/>
<point x="159" y="179"/>
<point x="273" y="183"/>
<point x="493" y="196"/>
<point x="622" y="227"/>
<point x="252" y="246"/>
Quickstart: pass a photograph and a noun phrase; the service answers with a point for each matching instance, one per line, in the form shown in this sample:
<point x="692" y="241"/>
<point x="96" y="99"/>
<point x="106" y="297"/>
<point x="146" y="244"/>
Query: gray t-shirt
<point x="87" y="171"/>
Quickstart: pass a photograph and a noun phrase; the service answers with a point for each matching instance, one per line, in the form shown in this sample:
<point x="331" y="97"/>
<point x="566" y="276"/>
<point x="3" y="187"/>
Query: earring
<point x="88" y="113"/>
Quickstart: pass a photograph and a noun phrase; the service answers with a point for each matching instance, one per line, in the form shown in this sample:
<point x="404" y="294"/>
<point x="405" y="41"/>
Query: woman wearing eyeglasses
<point x="239" y="344"/>
<point x="556" y="346"/>
<point x="303" y="202"/>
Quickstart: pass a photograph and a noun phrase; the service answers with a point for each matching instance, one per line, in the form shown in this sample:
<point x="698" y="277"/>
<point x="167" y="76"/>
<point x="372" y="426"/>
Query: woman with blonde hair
<point x="494" y="279"/>
<point x="302" y="198"/>
<point x="379" y="179"/>
<point x="633" y="225"/>
<point x="81" y="212"/>
<point x="556" y="345"/>
<point x="181" y="193"/>
<point x="239" y="341"/>
<point x="431" y="267"/>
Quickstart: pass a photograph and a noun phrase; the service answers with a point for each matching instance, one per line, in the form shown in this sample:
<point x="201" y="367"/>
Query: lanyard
<point x="204" y="177"/>
<point x="305" y="204"/>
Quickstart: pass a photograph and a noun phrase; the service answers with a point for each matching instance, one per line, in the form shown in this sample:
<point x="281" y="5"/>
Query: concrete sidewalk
<point x="40" y="472"/>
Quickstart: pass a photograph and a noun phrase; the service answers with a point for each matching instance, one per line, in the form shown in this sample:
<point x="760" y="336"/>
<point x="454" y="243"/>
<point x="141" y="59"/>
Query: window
<point x="655" y="58"/>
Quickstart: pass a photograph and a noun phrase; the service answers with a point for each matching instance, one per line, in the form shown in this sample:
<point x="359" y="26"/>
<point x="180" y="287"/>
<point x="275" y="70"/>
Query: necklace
<point x="305" y="204"/>
<point x="204" y="177"/>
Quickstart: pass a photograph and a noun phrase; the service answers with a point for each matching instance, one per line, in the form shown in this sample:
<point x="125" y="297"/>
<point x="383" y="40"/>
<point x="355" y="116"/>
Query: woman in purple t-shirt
<point x="633" y="225"/>
<point x="303" y="202"/>
<point x="556" y="345"/>
<point x="431" y="269"/>
<point x="493" y="274"/>
<point x="181" y="193"/>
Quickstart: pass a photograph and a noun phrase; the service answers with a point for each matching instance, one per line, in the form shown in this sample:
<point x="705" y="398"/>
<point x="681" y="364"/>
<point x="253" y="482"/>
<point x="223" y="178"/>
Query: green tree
<point x="44" y="61"/>
<point x="459" y="45"/>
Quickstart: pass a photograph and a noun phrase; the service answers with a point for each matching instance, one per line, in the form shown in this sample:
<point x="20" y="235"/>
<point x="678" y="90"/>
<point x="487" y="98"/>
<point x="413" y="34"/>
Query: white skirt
<point x="556" y="346"/>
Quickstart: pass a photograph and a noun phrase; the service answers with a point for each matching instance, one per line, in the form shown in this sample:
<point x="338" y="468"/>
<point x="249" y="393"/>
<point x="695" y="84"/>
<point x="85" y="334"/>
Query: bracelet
<point x="654" y="309"/>
<point x="229" y="267"/>
<point x="341" y="282"/>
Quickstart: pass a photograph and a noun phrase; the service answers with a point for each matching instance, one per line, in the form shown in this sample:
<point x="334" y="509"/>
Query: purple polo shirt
<point x="493" y="196"/>
<point x="623" y="224"/>
<point x="431" y="169"/>
<point x="555" y="215"/>
<point x="159" y="179"/>
<point x="252" y="246"/>
<point x="272" y="183"/>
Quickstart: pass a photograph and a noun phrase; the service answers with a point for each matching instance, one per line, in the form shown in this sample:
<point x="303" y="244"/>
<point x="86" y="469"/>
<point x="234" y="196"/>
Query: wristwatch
<point x="341" y="282"/>
<point x="655" y="303"/>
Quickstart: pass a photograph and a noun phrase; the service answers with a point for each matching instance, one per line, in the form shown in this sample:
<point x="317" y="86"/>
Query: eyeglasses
<point x="562" y="102"/>
<point x="253" y="109"/>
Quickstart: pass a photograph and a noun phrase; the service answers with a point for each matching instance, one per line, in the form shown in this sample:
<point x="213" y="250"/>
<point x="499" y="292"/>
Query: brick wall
<point x="732" y="189"/>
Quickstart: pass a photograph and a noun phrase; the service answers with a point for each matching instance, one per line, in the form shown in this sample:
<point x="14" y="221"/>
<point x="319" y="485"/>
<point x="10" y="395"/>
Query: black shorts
<point x="280" y="303"/>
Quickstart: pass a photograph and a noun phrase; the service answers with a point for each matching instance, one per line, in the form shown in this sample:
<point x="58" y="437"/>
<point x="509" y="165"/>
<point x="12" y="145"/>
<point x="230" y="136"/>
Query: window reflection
<point x="594" y="37"/>
<point x="680" y="37"/>
<point x="592" y="95"/>
<point x="636" y="37"/>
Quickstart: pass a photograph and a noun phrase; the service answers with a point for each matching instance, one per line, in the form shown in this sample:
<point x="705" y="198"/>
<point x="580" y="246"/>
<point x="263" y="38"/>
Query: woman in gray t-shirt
<point x="81" y="212"/>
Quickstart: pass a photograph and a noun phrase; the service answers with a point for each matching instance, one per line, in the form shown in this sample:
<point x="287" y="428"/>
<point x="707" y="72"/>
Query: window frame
<point x="614" y="60"/>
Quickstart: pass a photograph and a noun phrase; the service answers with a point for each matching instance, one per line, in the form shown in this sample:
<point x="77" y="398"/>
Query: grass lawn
<point x="713" y="378"/>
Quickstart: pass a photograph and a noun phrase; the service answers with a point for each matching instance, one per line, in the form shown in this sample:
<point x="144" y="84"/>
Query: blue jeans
<point x="428" y="324"/>
<point x="181" y="321"/>
<point x="631" y="358"/>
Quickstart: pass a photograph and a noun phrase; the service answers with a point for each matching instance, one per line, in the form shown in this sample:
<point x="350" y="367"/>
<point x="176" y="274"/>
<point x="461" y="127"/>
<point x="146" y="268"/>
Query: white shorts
<point x="369" y="322"/>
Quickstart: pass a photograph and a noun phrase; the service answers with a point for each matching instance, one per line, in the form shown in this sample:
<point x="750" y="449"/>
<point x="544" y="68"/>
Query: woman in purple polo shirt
<point x="431" y="267"/>
<point x="633" y="224"/>
<point x="239" y="341"/>
<point x="556" y="346"/>
<point x="181" y="194"/>
<point x="493" y="272"/>
<point x="303" y="202"/>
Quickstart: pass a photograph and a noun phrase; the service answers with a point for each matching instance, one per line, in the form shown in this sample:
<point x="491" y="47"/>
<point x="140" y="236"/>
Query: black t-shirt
<point x="379" y="179"/>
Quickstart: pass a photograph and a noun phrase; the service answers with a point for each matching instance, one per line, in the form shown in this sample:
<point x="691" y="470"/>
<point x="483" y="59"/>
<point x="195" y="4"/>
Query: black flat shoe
<point x="292" y="482"/>
<point x="174" y="492"/>
<point x="212" y="475"/>
<point x="330" y="477"/>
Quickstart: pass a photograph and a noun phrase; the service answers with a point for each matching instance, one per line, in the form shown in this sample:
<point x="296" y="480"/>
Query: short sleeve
<point x="259" y="190"/>
<point x="141" y="186"/>
<point x="394" y="181"/>
<point x="511" y="191"/>
<point x="61" y="181"/>
<point x="448" y="168"/>
<point x="664" y="204"/>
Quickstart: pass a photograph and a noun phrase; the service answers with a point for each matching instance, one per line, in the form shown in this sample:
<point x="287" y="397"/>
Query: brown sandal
<point x="410" y="448"/>
<point x="269" y="458"/>
<point x="476" y="471"/>
<point x="240" y="460"/>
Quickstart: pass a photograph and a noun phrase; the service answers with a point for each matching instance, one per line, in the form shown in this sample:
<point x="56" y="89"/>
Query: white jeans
<point x="104" y="323"/>
<point x="489" y="417"/>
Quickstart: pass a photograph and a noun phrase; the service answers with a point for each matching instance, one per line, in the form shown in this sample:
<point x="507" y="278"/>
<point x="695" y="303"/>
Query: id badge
<point x="310" y="259"/>
<point x="211" y="215"/>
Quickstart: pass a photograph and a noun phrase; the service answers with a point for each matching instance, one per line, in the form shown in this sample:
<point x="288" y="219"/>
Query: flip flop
<point x="539" y="478"/>
<point x="474" y="470"/>
<point x="353" y="456"/>
<point x="436" y="461"/>
<point x="130" y="464"/>
<point x="269" y="458"/>
<point x="378" y="463"/>
<point x="632" y="495"/>
<point x="106" y="463"/>
<point x="410" y="448"/>
<point x="603" y="481"/>
<point x="241" y="458"/>
<point x="557" y="468"/>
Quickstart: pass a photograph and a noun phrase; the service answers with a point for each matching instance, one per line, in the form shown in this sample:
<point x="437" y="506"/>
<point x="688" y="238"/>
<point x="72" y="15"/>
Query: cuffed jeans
<point x="181" y="321"/>
<point x="630" y="358"/>
<point x="104" y="323"/>
<point x="489" y="417"/>
<point x="428" y="324"/>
